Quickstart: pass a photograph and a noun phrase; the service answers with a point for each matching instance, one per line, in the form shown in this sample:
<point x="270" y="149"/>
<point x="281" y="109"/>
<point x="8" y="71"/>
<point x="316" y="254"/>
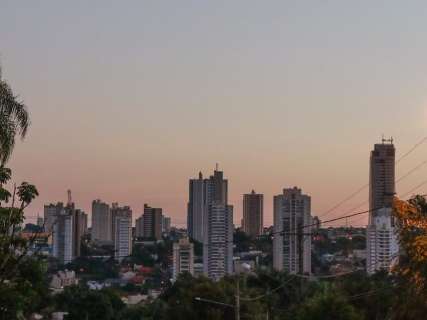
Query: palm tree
<point x="14" y="120"/>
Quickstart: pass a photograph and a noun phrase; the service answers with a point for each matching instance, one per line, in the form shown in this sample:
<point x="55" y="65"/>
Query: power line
<point x="352" y="195"/>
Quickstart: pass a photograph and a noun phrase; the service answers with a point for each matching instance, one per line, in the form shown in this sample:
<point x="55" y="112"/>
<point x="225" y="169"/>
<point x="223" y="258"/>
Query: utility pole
<point x="237" y="308"/>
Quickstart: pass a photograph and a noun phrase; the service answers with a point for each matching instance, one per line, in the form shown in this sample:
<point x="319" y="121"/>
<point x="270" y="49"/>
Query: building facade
<point x="196" y="208"/>
<point x="50" y="213"/>
<point x="117" y="211"/>
<point x="381" y="238"/>
<point x="123" y="236"/>
<point x="63" y="237"/>
<point x="152" y="222"/>
<point x="253" y="214"/>
<point x="292" y="238"/>
<point x="218" y="228"/>
<point x="101" y="221"/>
<point x="183" y="258"/>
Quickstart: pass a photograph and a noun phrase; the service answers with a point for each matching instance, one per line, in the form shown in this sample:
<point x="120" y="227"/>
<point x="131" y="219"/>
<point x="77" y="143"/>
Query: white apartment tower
<point x="382" y="242"/>
<point x="121" y="230"/>
<point x="292" y="241"/>
<point x="183" y="257"/>
<point x="217" y="228"/>
<point x="101" y="221"/>
<point x="122" y="237"/>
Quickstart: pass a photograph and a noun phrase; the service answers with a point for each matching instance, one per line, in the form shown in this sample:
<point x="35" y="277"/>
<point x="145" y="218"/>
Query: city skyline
<point x="279" y="95"/>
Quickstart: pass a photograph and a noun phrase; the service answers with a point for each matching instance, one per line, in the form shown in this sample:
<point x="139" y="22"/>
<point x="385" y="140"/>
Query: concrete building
<point x="101" y="221"/>
<point x="122" y="236"/>
<point x="382" y="241"/>
<point x="121" y="230"/>
<point x="166" y="224"/>
<point x="196" y="207"/>
<point x="63" y="237"/>
<point x="50" y="213"/>
<point x="63" y="279"/>
<point x="139" y="227"/>
<point x="183" y="257"/>
<point x="382" y="176"/>
<point x="218" y="228"/>
<point x="152" y="222"/>
<point x="79" y="226"/>
<point x="117" y="211"/>
<point x="292" y="243"/>
<point x="253" y="214"/>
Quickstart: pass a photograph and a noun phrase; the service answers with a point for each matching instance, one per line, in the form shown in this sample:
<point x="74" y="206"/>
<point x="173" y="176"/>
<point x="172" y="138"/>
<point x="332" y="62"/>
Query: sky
<point x="130" y="99"/>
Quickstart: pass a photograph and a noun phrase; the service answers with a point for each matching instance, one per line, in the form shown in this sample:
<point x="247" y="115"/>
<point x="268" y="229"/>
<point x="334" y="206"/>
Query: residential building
<point x="152" y="222"/>
<point x="166" y="224"/>
<point x="382" y="240"/>
<point x="63" y="237"/>
<point x="122" y="236"/>
<point x="101" y="222"/>
<point x="139" y="227"/>
<point x="253" y="214"/>
<point x="292" y="238"/>
<point x="196" y="208"/>
<point x="382" y="186"/>
<point x="117" y="211"/>
<point x="218" y="228"/>
<point x="50" y="213"/>
<point x="183" y="257"/>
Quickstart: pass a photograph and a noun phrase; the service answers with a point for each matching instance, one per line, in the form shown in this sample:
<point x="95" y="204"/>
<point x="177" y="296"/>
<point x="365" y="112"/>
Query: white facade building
<point x="382" y="242"/>
<point x="122" y="237"/>
<point x="292" y="243"/>
<point x="183" y="257"/>
<point x="218" y="243"/>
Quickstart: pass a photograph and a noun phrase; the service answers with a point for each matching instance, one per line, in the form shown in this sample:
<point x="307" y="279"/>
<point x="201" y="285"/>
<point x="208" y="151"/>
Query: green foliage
<point x="94" y="268"/>
<point x="14" y="120"/>
<point x="82" y="303"/>
<point x="27" y="293"/>
<point x="327" y="305"/>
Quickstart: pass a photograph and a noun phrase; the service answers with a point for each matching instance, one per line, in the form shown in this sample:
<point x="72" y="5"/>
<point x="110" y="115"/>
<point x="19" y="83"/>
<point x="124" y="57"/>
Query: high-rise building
<point x="382" y="241"/>
<point x="382" y="176"/>
<point x="196" y="208"/>
<point x="292" y="242"/>
<point x="50" y="213"/>
<point x="166" y="224"/>
<point x="63" y="236"/>
<point x="101" y="221"/>
<point x="79" y="226"/>
<point x="123" y="236"/>
<point x="152" y="223"/>
<point x="117" y="211"/>
<point x="139" y="227"/>
<point x="217" y="228"/>
<point x="253" y="215"/>
<point x="67" y="230"/>
<point x="183" y="257"/>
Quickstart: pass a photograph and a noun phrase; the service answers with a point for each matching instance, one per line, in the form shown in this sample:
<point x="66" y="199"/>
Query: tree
<point x="411" y="273"/>
<point x="84" y="304"/>
<point x="327" y="305"/>
<point x="14" y="120"/>
<point x="22" y="284"/>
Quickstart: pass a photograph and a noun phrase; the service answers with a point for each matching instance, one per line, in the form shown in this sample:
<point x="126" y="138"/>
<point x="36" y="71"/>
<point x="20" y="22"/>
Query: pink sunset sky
<point x="129" y="102"/>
